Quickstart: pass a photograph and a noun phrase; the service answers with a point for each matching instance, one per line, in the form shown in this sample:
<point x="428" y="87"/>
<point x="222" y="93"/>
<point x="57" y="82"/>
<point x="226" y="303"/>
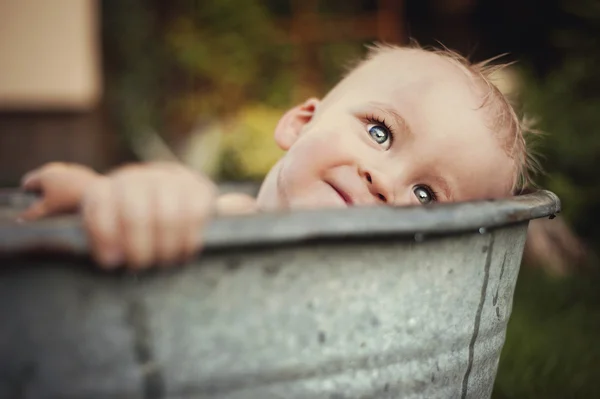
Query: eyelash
<point x="434" y="194"/>
<point x="379" y="121"/>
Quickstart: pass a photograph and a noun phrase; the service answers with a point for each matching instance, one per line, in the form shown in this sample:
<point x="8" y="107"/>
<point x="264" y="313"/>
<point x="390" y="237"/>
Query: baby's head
<point x="406" y="126"/>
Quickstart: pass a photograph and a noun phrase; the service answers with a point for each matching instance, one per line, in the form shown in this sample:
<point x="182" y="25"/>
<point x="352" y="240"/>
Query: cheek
<point x="310" y="160"/>
<point x="322" y="150"/>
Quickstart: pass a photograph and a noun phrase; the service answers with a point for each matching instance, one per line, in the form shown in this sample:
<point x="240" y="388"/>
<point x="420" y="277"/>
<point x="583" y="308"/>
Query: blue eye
<point x="381" y="135"/>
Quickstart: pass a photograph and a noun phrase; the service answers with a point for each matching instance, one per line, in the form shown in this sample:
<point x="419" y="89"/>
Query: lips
<point x="343" y="195"/>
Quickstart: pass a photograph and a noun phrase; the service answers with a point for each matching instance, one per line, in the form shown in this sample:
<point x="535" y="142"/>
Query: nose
<point x="377" y="187"/>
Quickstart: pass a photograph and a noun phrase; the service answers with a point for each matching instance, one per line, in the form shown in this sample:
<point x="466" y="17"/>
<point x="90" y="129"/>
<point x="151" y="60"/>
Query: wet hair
<point x="513" y="130"/>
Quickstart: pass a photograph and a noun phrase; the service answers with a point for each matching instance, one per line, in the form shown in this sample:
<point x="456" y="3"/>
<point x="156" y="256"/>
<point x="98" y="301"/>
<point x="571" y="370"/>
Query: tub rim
<point x="66" y="233"/>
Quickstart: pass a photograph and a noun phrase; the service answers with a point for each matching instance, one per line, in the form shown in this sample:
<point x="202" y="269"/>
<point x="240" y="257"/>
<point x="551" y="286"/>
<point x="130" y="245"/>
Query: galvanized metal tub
<point x="359" y="303"/>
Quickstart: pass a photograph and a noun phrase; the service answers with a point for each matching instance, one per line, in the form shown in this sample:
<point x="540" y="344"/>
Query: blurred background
<point x="205" y="82"/>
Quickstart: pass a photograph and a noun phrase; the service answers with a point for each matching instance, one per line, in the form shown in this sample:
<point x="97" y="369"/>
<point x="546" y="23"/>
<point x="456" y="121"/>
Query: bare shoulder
<point x="236" y="204"/>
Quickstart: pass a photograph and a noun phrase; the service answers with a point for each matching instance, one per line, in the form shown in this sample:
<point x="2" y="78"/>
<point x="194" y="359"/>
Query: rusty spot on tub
<point x="513" y="216"/>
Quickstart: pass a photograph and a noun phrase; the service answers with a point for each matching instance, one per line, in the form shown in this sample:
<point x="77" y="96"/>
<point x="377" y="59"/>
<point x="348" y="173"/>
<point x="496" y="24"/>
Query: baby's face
<point x="404" y="128"/>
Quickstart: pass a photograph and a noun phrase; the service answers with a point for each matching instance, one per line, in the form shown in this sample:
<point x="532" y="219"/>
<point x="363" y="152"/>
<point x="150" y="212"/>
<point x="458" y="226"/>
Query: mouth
<point x="343" y="195"/>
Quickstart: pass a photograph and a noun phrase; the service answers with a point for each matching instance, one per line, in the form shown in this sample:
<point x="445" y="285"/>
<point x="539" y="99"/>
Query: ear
<point x="293" y="121"/>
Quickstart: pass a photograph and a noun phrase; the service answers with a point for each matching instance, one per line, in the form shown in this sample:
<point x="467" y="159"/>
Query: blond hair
<point x="514" y="130"/>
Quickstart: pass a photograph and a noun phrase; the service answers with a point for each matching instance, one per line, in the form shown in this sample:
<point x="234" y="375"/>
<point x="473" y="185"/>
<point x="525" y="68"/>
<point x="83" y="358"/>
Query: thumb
<point x="35" y="211"/>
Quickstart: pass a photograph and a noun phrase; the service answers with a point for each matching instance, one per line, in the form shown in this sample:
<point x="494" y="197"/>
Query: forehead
<point x="442" y="106"/>
<point x="396" y="71"/>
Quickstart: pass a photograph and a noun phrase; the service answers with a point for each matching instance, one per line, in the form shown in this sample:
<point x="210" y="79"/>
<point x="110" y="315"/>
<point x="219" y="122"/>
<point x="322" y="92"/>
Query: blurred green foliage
<point x="551" y="349"/>
<point x="131" y="48"/>
<point x="172" y="64"/>
<point x="566" y="101"/>
<point x="226" y="54"/>
<point x="248" y="150"/>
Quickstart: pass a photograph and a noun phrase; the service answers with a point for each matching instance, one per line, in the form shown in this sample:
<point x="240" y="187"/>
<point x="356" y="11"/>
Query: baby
<point x="406" y="126"/>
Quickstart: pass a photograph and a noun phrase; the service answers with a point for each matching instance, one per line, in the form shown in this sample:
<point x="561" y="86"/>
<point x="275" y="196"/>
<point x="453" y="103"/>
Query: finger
<point x="100" y="217"/>
<point x="32" y="180"/>
<point x="136" y="221"/>
<point x="166" y="229"/>
<point x="36" y="211"/>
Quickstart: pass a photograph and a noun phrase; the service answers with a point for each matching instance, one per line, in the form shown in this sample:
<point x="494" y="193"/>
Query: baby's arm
<point x="236" y="204"/>
<point x="138" y="215"/>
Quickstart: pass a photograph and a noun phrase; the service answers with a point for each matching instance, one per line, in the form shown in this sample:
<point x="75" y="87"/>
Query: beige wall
<point x="49" y="55"/>
<point x="50" y="86"/>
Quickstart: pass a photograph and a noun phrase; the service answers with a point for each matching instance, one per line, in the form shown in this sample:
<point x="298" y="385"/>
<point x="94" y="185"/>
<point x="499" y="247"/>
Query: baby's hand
<point x="61" y="186"/>
<point x="145" y="214"/>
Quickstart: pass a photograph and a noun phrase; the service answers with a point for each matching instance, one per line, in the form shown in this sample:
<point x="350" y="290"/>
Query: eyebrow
<point x="398" y="121"/>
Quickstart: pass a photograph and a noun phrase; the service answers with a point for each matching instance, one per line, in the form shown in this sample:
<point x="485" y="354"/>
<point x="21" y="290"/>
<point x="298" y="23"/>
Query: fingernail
<point x="25" y="179"/>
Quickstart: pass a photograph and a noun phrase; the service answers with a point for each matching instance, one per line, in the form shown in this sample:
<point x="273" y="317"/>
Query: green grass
<point x="552" y="347"/>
